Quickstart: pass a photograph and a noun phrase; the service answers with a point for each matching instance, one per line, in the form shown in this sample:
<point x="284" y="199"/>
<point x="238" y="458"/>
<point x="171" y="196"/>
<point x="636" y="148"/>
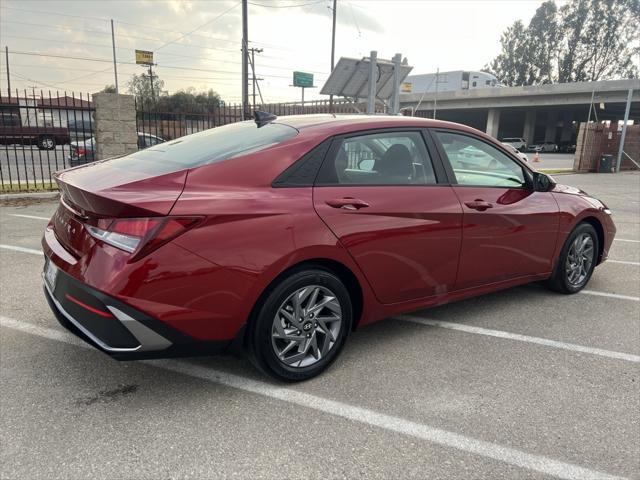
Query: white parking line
<point x="610" y="295"/>
<point x="21" y="249"/>
<point x="623" y="262"/>
<point x="586" y="292"/>
<point x="521" y="338"/>
<point x="625" y="240"/>
<point x="365" y="416"/>
<point x="33" y="217"/>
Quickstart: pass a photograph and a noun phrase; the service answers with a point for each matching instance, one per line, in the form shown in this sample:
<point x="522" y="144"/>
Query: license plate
<point x="50" y="274"/>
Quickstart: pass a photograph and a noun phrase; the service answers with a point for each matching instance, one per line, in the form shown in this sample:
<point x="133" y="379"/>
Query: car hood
<point x="560" y="188"/>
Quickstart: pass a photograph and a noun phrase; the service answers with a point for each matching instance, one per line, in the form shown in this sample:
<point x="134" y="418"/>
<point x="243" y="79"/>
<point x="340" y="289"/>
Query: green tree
<point x="543" y="37"/>
<point x="189" y="101"/>
<point x="109" y="89"/>
<point x="585" y="40"/>
<point x="511" y="66"/>
<point x="140" y="86"/>
<point x="600" y="39"/>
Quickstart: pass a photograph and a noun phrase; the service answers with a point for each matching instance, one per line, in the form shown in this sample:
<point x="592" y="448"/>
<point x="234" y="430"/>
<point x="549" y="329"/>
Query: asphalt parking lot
<point x="524" y="383"/>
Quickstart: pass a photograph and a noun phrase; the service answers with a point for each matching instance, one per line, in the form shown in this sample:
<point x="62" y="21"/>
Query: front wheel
<point x="301" y="326"/>
<point x="577" y="260"/>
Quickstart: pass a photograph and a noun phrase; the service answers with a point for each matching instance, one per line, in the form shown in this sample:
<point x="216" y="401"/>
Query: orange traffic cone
<point x="536" y="157"/>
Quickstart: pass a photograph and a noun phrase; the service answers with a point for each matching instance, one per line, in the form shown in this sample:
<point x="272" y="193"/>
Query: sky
<point x="197" y="43"/>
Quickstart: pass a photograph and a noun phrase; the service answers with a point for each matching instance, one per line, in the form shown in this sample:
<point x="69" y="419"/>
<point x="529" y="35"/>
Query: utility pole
<point x="435" y="98"/>
<point x="113" y="45"/>
<point x="333" y="47"/>
<point x="245" y="59"/>
<point x="395" y="98"/>
<point x="6" y="56"/>
<point x="153" y="95"/>
<point x="253" y="70"/>
<point x="373" y="79"/>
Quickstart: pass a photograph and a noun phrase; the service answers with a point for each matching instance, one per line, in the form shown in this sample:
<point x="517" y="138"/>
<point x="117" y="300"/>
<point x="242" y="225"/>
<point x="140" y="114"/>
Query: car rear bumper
<point x="116" y="328"/>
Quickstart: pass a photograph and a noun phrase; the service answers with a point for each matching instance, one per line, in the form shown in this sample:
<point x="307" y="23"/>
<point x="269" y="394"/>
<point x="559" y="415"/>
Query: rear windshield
<point x="210" y="146"/>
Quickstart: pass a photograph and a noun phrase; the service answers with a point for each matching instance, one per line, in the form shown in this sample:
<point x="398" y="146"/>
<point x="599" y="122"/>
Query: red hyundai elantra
<point x="281" y="236"/>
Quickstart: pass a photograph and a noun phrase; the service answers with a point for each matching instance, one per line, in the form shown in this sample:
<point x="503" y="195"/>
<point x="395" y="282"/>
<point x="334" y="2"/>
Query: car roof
<point x="336" y="124"/>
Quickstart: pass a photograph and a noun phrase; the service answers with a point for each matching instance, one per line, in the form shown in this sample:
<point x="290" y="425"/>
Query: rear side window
<point x="388" y="158"/>
<point x="210" y="146"/>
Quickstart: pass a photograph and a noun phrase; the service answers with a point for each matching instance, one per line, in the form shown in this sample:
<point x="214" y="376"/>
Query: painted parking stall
<point x="521" y="383"/>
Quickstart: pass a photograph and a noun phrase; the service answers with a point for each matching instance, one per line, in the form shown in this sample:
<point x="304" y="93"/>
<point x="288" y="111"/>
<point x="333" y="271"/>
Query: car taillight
<point x="140" y="235"/>
<point x="81" y="151"/>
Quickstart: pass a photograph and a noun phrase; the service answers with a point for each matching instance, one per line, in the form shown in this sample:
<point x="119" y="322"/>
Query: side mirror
<point x="542" y="182"/>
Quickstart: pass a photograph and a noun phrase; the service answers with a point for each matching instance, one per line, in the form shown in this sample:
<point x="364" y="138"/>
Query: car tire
<point x="46" y="142"/>
<point x="575" y="266"/>
<point x="292" y="347"/>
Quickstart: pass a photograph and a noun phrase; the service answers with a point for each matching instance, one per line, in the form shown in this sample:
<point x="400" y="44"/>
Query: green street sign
<point x="302" y="79"/>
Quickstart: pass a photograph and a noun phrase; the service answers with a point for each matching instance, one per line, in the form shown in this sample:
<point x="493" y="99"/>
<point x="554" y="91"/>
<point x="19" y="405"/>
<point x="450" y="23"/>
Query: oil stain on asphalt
<point x="108" y="396"/>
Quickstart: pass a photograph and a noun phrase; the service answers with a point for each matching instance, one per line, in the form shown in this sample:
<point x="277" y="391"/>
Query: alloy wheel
<point x="579" y="259"/>
<point x="306" y="326"/>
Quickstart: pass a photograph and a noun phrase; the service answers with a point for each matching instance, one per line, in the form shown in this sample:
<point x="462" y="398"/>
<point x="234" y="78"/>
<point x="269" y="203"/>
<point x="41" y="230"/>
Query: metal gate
<point x="40" y="133"/>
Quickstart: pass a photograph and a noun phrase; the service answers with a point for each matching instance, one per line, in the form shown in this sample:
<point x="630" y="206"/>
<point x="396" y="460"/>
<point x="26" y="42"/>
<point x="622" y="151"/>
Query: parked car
<point x="14" y="131"/>
<point x="518" y="143"/>
<point x="282" y="236"/>
<point x="567" y="147"/>
<point x="516" y="152"/>
<point x="80" y="129"/>
<point x="543" y="147"/>
<point x="84" y="151"/>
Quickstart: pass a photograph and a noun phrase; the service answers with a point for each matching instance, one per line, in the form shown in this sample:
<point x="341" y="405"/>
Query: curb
<point x="28" y="196"/>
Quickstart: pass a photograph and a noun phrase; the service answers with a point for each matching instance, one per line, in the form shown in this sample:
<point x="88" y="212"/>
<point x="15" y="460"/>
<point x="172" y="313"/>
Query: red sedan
<point x="281" y="236"/>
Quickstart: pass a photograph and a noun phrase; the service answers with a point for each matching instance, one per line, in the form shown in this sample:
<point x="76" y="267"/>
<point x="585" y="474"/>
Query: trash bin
<point x="606" y="164"/>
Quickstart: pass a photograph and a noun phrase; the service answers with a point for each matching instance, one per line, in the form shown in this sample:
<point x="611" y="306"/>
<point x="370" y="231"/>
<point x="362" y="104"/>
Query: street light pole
<point x="624" y="129"/>
<point x="245" y="59"/>
<point x="113" y="45"/>
<point x="6" y="53"/>
<point x="333" y="47"/>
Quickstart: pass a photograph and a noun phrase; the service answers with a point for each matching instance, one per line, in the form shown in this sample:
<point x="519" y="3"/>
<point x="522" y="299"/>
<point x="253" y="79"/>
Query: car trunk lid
<point x="104" y="190"/>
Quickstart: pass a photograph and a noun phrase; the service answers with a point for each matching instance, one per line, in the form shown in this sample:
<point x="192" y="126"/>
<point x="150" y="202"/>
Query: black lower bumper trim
<point x="182" y="345"/>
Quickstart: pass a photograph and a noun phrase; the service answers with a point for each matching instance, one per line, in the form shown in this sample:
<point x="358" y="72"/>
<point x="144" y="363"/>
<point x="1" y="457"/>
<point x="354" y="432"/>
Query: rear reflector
<point x="140" y="235"/>
<point x="87" y="307"/>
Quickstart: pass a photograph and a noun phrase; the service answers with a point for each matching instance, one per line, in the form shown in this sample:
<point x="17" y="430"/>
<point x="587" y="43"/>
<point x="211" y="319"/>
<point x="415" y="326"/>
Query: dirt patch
<point x="25" y="202"/>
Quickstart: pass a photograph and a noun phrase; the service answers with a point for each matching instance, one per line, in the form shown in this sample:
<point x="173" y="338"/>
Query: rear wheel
<point x="577" y="260"/>
<point x="301" y="326"/>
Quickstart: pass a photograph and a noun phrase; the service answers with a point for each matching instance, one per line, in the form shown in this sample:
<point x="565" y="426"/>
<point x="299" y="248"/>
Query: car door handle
<point x="348" y="203"/>
<point x="478" y="204"/>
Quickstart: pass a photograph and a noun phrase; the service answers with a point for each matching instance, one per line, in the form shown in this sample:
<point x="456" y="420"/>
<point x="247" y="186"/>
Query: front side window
<point x="390" y="158"/>
<point x="477" y="163"/>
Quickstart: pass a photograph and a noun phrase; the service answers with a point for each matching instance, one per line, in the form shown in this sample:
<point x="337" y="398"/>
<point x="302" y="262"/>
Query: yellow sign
<point x="144" y="57"/>
<point x="406" y="87"/>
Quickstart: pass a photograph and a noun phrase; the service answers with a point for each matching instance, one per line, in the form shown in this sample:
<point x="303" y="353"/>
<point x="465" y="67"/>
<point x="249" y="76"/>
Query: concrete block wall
<point x="115" y="125"/>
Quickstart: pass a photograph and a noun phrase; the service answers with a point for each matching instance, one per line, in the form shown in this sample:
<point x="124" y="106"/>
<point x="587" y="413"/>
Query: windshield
<point x="210" y="146"/>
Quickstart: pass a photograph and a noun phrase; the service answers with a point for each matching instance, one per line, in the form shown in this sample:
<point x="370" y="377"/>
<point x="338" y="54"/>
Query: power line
<point x="285" y="6"/>
<point x="40" y="12"/>
<point x="137" y="25"/>
<point x="177" y="67"/>
<point x="199" y="27"/>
